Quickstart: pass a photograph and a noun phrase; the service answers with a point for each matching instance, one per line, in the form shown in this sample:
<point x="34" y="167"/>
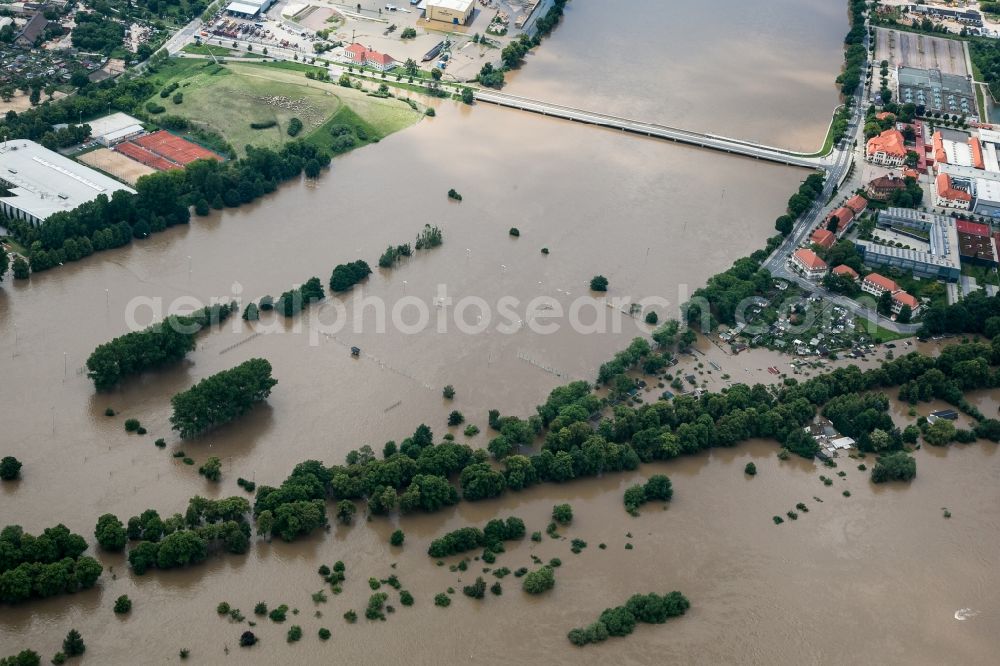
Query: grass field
<point x="228" y="98"/>
<point x="207" y="49"/>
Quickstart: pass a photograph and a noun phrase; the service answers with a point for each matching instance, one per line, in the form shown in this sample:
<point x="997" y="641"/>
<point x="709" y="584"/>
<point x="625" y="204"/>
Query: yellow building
<point x="456" y="12"/>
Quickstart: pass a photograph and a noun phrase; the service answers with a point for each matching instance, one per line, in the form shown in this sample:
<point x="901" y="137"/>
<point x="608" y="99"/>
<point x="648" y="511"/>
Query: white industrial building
<point x="249" y="8"/>
<point x="455" y="12"/>
<point x="43" y="182"/>
<point x="115" y="128"/>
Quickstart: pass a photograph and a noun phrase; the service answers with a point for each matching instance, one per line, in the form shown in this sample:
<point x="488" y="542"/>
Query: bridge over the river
<point x="703" y="140"/>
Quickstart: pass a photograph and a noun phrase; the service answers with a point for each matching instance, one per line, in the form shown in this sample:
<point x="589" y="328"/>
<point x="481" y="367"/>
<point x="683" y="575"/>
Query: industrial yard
<point x="908" y="49"/>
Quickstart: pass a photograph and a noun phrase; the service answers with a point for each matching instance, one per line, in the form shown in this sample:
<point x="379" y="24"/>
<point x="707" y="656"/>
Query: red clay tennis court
<point x="147" y="157"/>
<point x="174" y="148"/>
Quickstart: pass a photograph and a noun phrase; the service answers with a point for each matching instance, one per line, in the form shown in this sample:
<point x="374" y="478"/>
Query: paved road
<point x="777" y="263"/>
<point x="182" y="37"/>
<point x="710" y="141"/>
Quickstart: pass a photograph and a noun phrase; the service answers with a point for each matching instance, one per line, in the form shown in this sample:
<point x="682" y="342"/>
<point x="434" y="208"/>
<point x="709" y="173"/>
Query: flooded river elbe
<point x="878" y="575"/>
<point x="757" y="71"/>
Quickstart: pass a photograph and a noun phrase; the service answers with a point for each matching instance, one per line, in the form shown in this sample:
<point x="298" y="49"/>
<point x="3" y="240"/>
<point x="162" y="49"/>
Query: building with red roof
<point x="844" y="270"/>
<point x="952" y="192"/>
<point x="972" y="228"/>
<point x="882" y="115"/>
<point x="937" y="142"/>
<point x="876" y="284"/>
<point x="825" y="239"/>
<point x="910" y="173"/>
<point x="359" y="55"/>
<point x="886" y="149"/>
<point x="977" y="153"/>
<point x="901" y="298"/>
<point x="844" y="217"/>
<point x="809" y="263"/>
<point x="857" y="203"/>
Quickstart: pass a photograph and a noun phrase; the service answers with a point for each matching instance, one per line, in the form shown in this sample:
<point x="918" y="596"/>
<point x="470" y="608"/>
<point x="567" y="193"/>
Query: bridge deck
<point x="710" y="141"/>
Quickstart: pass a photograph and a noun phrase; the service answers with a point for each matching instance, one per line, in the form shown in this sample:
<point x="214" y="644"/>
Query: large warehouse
<point x="456" y="12"/>
<point x="42" y="182"/>
<point x="114" y="128"/>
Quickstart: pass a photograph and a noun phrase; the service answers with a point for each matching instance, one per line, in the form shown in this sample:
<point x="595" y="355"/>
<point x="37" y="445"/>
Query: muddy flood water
<point x="878" y="575"/>
<point x="758" y="71"/>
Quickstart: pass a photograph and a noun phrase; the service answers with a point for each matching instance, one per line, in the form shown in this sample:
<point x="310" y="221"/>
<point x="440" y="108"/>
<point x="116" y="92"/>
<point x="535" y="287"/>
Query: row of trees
<point x="854" y="51"/>
<point x="651" y="608"/>
<point x="163" y="200"/>
<point x="165" y="342"/>
<point x="221" y="398"/>
<point x="468" y="538"/>
<point x="45" y="565"/>
<point x="513" y="54"/>
<point x="800" y="202"/>
<point x="976" y="313"/>
<point x="416" y="474"/>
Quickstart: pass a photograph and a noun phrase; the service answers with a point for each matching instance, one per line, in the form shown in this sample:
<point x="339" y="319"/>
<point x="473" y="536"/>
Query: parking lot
<point x="293" y="26"/>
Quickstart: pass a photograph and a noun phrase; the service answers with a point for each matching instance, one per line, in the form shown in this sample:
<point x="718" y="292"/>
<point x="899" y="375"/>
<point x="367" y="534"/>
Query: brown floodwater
<point x="880" y="572"/>
<point x="758" y="71"/>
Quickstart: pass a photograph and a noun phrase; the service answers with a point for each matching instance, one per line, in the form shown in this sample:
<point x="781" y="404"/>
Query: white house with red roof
<point x="876" y="284"/>
<point x="886" y="149"/>
<point x="950" y="193"/>
<point x="365" y="57"/>
<point x="823" y="238"/>
<point x="809" y="263"/>
<point x="901" y="298"/>
<point x="846" y="271"/>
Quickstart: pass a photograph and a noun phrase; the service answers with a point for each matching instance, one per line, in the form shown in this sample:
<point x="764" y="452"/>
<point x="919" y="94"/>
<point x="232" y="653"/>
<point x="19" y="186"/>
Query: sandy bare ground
<point x="20" y="102"/>
<point x="116" y="164"/>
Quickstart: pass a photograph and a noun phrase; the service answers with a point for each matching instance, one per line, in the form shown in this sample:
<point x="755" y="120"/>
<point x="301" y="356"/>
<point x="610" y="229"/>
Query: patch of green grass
<point x="207" y="49"/>
<point x="982" y="274"/>
<point x="247" y="87"/>
<point x="879" y="334"/>
<point x="293" y="66"/>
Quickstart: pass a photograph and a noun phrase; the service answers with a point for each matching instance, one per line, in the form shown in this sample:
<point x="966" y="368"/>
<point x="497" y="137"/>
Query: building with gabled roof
<point x="883" y="187"/>
<point x="825" y="239"/>
<point x="876" y="284"/>
<point x="952" y="192"/>
<point x="844" y="270"/>
<point x="809" y="263"/>
<point x="360" y="55"/>
<point x="844" y="215"/>
<point x="886" y="149"/>
<point x="31" y="31"/>
<point x="857" y="203"/>
<point x="901" y="298"/>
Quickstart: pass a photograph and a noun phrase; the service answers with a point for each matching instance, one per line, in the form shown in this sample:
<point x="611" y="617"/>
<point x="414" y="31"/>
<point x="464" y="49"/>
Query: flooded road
<point x="880" y="572"/>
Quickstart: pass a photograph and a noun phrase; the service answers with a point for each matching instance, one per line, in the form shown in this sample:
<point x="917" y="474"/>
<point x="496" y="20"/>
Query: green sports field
<point x="227" y="99"/>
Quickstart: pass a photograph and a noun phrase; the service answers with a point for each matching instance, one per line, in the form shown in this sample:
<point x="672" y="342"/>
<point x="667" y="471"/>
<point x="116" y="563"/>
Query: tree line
<point x="854" y="50"/>
<point x="161" y="343"/>
<point x="163" y="200"/>
<point x="42" y="566"/>
<point x="469" y="538"/>
<point x="650" y="608"/>
<point x="512" y="55"/>
<point x="221" y="398"/>
<point x="416" y="475"/>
